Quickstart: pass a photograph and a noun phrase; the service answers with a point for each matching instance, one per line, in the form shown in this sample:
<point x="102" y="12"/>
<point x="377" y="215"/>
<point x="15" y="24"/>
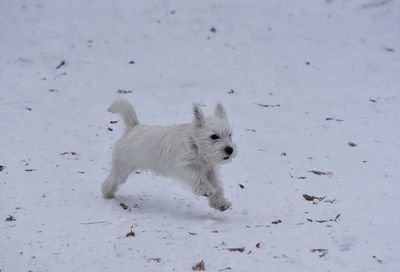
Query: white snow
<point x="316" y="59"/>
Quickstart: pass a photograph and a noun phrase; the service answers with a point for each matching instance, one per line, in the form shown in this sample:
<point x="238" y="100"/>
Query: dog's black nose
<point x="228" y="150"/>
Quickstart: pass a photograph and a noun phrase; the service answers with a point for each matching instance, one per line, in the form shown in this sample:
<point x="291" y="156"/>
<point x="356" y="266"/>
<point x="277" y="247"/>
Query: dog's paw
<point x="220" y="203"/>
<point x="108" y="190"/>
<point x="225" y="206"/>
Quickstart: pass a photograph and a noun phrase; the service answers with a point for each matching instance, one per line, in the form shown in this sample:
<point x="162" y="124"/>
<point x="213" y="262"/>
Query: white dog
<point x="190" y="152"/>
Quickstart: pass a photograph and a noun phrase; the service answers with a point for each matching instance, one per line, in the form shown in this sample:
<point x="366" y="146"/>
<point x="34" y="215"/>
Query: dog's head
<point x="213" y="135"/>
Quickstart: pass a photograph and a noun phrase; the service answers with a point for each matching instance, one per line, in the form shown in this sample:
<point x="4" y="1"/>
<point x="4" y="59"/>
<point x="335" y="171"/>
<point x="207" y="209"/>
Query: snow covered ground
<point x="308" y="86"/>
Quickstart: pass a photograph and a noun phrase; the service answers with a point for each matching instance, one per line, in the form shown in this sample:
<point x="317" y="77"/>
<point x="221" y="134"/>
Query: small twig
<point x="96" y="222"/>
<point x="320" y="173"/>
<point x="131" y="233"/>
<point x="62" y="63"/>
<point x="236" y="249"/>
<point x="267" y="105"/>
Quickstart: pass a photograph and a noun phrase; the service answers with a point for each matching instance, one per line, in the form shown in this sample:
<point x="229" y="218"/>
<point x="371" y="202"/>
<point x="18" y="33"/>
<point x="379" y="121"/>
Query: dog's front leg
<point x="202" y="186"/>
<point x="217" y="200"/>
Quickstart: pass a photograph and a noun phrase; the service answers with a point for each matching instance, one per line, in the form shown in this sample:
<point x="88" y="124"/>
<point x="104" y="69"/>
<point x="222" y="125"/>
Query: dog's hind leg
<point x="117" y="177"/>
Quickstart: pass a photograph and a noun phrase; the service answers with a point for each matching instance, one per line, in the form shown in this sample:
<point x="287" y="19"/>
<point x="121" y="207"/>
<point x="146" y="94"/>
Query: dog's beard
<point x="218" y="157"/>
<point x="228" y="158"/>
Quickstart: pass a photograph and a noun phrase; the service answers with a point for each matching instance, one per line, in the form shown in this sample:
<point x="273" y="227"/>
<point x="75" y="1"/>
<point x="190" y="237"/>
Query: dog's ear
<point x="199" y="118"/>
<point x="220" y="112"/>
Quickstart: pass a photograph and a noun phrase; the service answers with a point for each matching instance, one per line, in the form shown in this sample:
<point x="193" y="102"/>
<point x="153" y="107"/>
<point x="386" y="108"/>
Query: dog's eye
<point x="215" y="137"/>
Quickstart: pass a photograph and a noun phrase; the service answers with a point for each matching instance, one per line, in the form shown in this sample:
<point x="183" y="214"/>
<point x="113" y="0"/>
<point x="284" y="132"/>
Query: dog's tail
<point x="125" y="109"/>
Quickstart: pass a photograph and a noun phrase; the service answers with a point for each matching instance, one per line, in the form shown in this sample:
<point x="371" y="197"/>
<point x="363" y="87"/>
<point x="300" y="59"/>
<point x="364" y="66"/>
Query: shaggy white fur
<point x="190" y="152"/>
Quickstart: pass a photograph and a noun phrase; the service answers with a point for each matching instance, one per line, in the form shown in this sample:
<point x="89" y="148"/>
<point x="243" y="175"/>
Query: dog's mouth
<point x="227" y="157"/>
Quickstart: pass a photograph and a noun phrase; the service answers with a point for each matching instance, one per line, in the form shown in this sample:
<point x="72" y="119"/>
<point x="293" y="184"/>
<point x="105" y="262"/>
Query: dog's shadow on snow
<point x="163" y="206"/>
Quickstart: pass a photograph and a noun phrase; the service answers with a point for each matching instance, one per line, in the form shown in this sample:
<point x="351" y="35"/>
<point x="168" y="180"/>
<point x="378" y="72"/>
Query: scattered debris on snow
<point x="322" y="251"/>
<point x="69" y="153"/>
<point x="156" y="259"/>
<point x="121" y="91"/>
<point x="378" y="260"/>
<point x="334" y="119"/>
<point x="10" y="218"/>
<point x="325" y="221"/>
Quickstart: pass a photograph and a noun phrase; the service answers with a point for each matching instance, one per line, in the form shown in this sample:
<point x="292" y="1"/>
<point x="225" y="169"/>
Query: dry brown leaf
<point x="199" y="266"/>
<point x="311" y="197"/>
